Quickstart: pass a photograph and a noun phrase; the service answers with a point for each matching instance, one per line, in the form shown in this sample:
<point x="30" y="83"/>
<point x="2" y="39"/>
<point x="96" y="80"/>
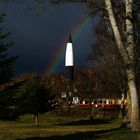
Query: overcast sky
<point x="41" y="30"/>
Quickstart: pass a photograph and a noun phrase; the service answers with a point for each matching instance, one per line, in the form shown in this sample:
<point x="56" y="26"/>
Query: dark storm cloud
<point x="38" y="35"/>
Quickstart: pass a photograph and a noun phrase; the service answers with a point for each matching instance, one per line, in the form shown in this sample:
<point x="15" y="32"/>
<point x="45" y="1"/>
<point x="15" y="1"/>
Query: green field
<point x="64" y="128"/>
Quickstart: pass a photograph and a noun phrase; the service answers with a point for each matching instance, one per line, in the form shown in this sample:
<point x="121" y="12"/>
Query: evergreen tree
<point x="34" y="97"/>
<point x="7" y="90"/>
<point x="8" y="99"/>
<point x="6" y="61"/>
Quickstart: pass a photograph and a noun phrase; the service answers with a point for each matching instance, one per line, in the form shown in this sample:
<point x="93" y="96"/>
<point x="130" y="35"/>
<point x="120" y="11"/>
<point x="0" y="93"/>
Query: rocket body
<point x="69" y="61"/>
<point x="69" y="55"/>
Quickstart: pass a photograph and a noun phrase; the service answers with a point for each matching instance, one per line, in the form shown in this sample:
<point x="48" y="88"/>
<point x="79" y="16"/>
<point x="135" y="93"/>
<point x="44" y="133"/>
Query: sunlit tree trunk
<point x="128" y="108"/>
<point x="128" y="57"/>
<point x="135" y="118"/>
<point x="116" y="32"/>
<point x="36" y="119"/>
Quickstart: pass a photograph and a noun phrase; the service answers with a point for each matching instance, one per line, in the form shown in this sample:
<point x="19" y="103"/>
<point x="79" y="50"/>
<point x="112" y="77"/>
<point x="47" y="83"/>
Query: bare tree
<point x="106" y="60"/>
<point x="127" y="53"/>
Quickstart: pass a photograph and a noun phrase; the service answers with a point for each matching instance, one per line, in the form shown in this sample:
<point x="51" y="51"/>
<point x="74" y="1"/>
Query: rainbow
<point x="60" y="52"/>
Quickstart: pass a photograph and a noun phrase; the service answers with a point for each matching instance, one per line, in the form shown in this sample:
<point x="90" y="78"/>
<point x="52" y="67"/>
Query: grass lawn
<point x="60" y="128"/>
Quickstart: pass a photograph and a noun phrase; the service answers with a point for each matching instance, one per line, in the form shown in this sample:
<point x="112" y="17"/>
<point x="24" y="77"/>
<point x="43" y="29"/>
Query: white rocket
<point x="69" y="60"/>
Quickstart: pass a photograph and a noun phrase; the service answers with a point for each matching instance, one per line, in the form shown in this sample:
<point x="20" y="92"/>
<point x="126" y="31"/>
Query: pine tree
<point x="7" y="90"/>
<point x="33" y="97"/>
<point x="6" y="61"/>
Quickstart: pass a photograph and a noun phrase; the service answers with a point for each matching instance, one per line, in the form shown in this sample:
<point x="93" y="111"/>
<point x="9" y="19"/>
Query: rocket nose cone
<point x="70" y="39"/>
